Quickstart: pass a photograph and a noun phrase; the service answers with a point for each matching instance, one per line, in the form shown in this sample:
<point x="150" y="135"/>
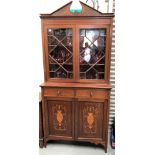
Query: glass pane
<point x="60" y="53"/>
<point x="92" y="53"/>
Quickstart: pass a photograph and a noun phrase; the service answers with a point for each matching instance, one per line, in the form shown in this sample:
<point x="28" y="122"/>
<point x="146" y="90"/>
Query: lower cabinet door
<point x="90" y="116"/>
<point x="60" y="119"/>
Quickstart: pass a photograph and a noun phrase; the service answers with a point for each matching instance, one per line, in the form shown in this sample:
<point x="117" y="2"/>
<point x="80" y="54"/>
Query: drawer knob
<point x="91" y="93"/>
<point x="58" y="92"/>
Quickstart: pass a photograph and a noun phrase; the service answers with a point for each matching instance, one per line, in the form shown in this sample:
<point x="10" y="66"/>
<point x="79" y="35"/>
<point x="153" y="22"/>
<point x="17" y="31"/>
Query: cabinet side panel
<point x="43" y="49"/>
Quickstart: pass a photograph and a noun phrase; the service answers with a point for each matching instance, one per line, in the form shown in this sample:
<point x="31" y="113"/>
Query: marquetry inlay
<point x="90" y="120"/>
<point x="90" y="114"/>
<point x="59" y="116"/>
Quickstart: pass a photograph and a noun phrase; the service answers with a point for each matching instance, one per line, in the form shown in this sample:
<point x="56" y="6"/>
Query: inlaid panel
<point x="91" y="119"/>
<point x="60" y="118"/>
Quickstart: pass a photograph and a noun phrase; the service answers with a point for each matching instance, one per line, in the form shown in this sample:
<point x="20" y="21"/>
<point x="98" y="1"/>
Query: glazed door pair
<point x="75" y="120"/>
<point x="76" y="53"/>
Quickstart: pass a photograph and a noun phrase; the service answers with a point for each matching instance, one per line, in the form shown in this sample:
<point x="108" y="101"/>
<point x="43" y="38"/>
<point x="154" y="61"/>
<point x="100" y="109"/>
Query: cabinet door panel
<point x="92" y="51"/>
<point x="60" y="118"/>
<point x="60" y="52"/>
<point x="90" y="120"/>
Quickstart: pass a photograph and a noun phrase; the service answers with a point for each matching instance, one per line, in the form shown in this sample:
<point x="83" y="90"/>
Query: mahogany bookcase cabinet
<point x="76" y="90"/>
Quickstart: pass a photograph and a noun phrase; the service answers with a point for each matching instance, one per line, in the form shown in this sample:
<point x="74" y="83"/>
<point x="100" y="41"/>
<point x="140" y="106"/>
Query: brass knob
<point x="91" y="93"/>
<point x="58" y="92"/>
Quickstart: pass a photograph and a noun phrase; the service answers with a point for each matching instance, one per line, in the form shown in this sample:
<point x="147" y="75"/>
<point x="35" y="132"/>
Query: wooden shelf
<point x="50" y="35"/>
<point x="56" y="71"/>
<point x="59" y="45"/>
<point x="61" y="63"/>
<point x="92" y="64"/>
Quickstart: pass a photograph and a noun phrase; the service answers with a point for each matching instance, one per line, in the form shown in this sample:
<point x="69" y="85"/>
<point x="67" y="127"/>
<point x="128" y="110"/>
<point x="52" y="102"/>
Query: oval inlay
<point x="90" y="120"/>
<point x="59" y="117"/>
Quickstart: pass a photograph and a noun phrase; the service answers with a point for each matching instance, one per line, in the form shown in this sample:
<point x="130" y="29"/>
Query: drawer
<point x="58" y="92"/>
<point x="91" y="93"/>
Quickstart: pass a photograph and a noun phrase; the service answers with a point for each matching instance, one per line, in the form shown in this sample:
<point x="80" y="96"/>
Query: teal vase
<point x="76" y="6"/>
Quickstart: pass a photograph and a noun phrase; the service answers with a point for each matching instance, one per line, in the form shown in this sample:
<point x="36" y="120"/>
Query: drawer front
<point x="79" y="93"/>
<point x="92" y="93"/>
<point x="100" y="94"/>
<point x="83" y="93"/>
<point x="58" y="92"/>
